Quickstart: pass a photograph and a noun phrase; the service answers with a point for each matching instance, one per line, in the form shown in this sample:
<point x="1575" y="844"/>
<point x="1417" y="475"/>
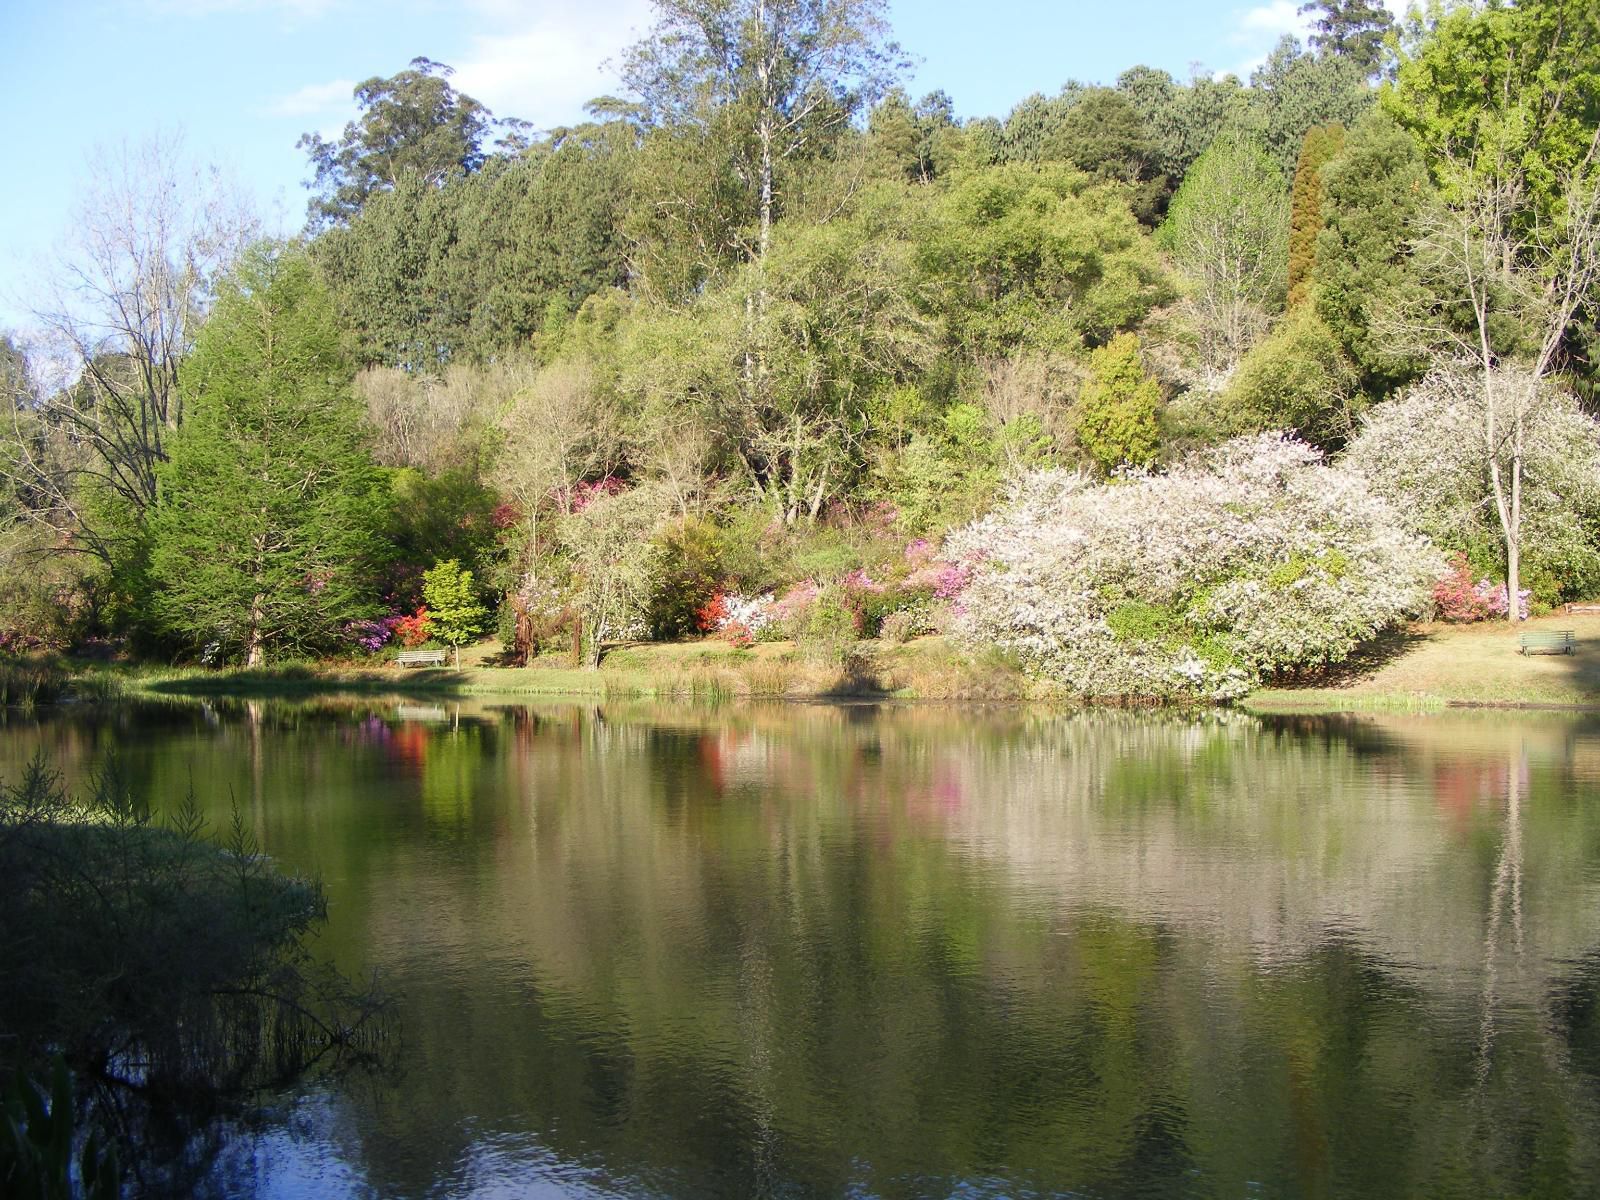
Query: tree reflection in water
<point x="812" y="950"/>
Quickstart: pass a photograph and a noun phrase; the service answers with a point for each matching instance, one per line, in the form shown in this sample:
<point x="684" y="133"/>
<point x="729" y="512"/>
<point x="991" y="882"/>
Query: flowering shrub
<point x="791" y="607"/>
<point x="713" y="614"/>
<point x="859" y="581"/>
<point x="1493" y="596"/>
<point x="942" y="579"/>
<point x="413" y="629"/>
<point x="372" y="636"/>
<point x="1251" y="559"/>
<point x="584" y="494"/>
<point x="741" y="619"/>
<point x="1458" y="598"/>
<point x="1424" y="451"/>
<point x="751" y="613"/>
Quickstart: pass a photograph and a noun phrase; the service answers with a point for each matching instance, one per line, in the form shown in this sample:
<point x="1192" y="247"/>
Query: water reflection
<point x="924" y="951"/>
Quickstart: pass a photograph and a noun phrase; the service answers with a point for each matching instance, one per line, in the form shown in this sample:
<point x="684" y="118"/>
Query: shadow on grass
<point x="859" y="679"/>
<point x="1366" y="662"/>
<point x="304" y="681"/>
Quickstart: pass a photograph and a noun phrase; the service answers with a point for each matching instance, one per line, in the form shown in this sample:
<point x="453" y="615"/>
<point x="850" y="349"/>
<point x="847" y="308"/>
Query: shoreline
<point x="1423" y="668"/>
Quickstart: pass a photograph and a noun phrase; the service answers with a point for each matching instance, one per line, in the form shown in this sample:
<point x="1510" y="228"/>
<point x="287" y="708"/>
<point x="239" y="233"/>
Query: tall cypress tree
<point x="1322" y="143"/>
<point x="264" y="533"/>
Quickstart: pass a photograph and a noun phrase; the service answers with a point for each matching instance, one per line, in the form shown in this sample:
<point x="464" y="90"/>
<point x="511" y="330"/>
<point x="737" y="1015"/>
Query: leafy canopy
<point x="264" y="533"/>
<point x="455" y="616"/>
<point x="413" y="122"/>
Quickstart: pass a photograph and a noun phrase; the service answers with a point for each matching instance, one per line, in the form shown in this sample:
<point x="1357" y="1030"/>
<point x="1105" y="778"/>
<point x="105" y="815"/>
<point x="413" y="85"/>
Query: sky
<point x="240" y="80"/>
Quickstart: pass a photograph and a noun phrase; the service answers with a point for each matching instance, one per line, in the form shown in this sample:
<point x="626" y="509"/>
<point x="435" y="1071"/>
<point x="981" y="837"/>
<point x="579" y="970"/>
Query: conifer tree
<point x="265" y="525"/>
<point x="1322" y="143"/>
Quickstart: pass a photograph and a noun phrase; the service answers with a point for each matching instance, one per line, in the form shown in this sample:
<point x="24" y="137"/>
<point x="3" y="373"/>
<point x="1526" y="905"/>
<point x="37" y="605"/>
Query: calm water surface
<point x="921" y="951"/>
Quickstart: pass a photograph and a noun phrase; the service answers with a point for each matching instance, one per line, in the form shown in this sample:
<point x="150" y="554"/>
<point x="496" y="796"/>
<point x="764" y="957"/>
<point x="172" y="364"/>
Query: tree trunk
<point x="1507" y="508"/>
<point x="257" y="656"/>
<point x="764" y="132"/>
<point x="1514" y="542"/>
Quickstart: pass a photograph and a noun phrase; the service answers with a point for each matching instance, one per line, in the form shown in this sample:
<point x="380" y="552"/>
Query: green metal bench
<point x="419" y="658"/>
<point x="1558" y="641"/>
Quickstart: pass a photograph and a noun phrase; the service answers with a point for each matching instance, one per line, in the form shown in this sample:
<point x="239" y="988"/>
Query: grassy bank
<point x="1439" y="666"/>
<point x="1422" y="668"/>
<point x="926" y="669"/>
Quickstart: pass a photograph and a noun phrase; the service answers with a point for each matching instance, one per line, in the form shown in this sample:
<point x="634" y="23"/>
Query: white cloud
<point x="1271" y="21"/>
<point x="313" y="99"/>
<point x="1257" y="30"/>
<point x="542" y="61"/>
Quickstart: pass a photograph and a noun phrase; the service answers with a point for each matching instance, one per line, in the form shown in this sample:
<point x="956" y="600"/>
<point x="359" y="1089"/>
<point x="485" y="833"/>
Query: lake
<point x="907" y="951"/>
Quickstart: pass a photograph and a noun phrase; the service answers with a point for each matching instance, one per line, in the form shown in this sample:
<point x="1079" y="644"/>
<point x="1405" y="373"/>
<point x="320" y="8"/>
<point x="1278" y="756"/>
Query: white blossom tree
<point x="1503" y="285"/>
<point x="1426" y="452"/>
<point x="1251" y="559"/>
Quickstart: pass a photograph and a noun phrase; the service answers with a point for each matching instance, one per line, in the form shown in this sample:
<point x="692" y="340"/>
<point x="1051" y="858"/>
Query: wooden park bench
<point x="1556" y="641"/>
<point x="1583" y="610"/>
<point x="419" y="658"/>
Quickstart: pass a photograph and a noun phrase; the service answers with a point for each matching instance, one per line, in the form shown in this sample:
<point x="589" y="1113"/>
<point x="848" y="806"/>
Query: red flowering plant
<point x="741" y="620"/>
<point x="711" y="616"/>
<point x="413" y="629"/>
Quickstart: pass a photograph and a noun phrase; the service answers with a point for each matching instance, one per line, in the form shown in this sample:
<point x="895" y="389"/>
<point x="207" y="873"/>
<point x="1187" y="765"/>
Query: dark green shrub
<point x="692" y="568"/>
<point x="170" y="969"/>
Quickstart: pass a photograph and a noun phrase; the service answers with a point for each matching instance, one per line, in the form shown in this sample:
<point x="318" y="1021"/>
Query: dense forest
<point x="1158" y="386"/>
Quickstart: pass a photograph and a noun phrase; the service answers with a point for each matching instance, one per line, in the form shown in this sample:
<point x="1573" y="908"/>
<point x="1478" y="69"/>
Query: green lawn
<point x="1436" y="665"/>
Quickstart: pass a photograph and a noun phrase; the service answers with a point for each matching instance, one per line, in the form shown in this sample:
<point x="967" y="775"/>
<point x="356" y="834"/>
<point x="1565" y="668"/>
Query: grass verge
<point x="925" y="669"/>
<point x="1421" y="669"/>
<point x="1432" y="667"/>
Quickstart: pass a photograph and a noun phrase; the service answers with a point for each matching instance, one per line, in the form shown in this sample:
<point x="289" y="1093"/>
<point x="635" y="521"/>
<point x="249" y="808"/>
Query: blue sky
<point x="240" y="80"/>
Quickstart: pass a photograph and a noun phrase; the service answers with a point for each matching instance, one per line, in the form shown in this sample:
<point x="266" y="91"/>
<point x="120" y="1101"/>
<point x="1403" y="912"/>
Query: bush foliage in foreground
<point x="1252" y="559"/>
<point x="167" y="971"/>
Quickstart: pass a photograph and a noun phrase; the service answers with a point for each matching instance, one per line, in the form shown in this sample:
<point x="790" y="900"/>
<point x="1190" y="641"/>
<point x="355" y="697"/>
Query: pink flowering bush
<point x="584" y="494"/>
<point x="1458" y="598"/>
<point x="1251" y="559"/>
<point x="1493" y="596"/>
<point x="789" y="611"/>
<point x="942" y="579"/>
<point x="858" y="581"/>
